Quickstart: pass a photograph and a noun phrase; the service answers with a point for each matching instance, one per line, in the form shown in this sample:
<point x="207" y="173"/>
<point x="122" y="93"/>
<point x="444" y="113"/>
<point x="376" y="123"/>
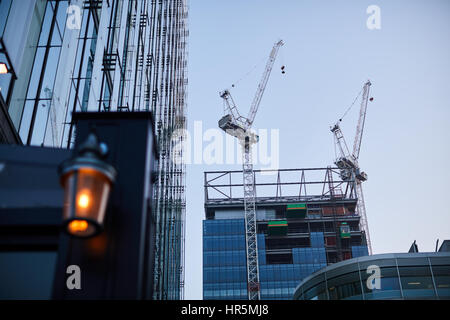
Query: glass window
<point x="106" y="96"/>
<point x="416" y="282"/>
<point x="36" y="73"/>
<point x="380" y="262"/>
<point x="61" y="17"/>
<point x="26" y="120"/>
<point x="5" y="5"/>
<point x="60" y="23"/>
<point x="45" y="31"/>
<point x="335" y="272"/>
<point x="442" y="280"/>
<point x="318" y="292"/>
<point x="389" y="272"/>
<point x="50" y="71"/>
<point x="344" y="286"/>
<point x="390" y="289"/>
<point x="412" y="261"/>
<point x="440" y="260"/>
<point x="389" y="284"/>
<point x="42" y="113"/>
<point x="18" y="24"/>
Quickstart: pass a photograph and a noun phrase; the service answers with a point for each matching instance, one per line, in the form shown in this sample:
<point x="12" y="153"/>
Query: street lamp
<point x="3" y="68"/>
<point x="87" y="182"/>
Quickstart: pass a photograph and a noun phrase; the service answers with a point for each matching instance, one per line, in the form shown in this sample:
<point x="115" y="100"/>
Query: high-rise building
<point x="60" y="57"/>
<point x="306" y="220"/>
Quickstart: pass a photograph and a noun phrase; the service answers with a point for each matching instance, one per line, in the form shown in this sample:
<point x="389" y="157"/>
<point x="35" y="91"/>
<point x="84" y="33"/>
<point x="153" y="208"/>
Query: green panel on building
<point x="296" y="206"/>
<point x="296" y="211"/>
<point x="277" y="228"/>
<point x="345" y="231"/>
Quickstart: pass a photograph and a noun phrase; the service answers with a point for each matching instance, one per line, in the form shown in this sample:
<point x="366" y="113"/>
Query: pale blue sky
<point x="329" y="53"/>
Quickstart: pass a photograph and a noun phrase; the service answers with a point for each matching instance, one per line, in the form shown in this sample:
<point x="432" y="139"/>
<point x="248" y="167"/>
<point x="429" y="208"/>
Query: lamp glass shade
<point x="85" y="199"/>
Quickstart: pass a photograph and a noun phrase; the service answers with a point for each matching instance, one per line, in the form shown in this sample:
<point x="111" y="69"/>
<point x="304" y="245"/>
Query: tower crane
<point x="238" y="126"/>
<point x="348" y="163"/>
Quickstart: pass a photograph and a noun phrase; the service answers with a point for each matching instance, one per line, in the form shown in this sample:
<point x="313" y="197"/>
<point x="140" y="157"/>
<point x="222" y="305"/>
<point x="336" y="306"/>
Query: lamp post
<point x="87" y="180"/>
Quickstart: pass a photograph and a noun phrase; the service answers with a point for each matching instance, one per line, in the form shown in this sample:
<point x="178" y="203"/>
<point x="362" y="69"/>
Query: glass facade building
<point x="69" y="56"/>
<point x="401" y="276"/>
<point x="294" y="239"/>
<point x="224" y="263"/>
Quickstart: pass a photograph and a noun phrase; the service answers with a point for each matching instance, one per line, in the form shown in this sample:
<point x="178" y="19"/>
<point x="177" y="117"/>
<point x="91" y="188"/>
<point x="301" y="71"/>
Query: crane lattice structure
<point x="348" y="163"/>
<point x="238" y="126"/>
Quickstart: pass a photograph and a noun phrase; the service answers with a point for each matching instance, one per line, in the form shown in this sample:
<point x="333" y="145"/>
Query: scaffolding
<point x="282" y="185"/>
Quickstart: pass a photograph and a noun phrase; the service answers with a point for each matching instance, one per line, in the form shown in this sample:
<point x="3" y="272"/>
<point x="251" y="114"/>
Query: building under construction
<point x="306" y="220"/>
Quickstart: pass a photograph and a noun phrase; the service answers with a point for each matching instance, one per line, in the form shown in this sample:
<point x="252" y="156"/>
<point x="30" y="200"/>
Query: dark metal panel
<point x="31" y="217"/>
<point x="115" y="264"/>
<point x="29" y="177"/>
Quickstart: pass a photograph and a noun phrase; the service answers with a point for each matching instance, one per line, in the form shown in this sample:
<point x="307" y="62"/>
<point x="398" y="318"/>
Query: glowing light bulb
<point x="78" y="226"/>
<point x="83" y="201"/>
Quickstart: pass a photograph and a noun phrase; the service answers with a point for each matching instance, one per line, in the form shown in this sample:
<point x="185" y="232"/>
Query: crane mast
<point x="236" y="125"/>
<point x="362" y="176"/>
<point x="251" y="240"/>
<point x="348" y="163"/>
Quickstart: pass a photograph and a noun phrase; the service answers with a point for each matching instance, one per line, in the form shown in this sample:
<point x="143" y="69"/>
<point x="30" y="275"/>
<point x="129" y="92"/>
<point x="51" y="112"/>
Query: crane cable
<point x="248" y="73"/>
<point x="340" y="119"/>
<point x="348" y="109"/>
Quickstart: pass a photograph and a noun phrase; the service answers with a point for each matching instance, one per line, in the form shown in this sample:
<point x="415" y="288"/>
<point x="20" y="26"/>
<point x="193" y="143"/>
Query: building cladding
<point x="107" y="56"/>
<point x="306" y="220"/>
<point x="401" y="276"/>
